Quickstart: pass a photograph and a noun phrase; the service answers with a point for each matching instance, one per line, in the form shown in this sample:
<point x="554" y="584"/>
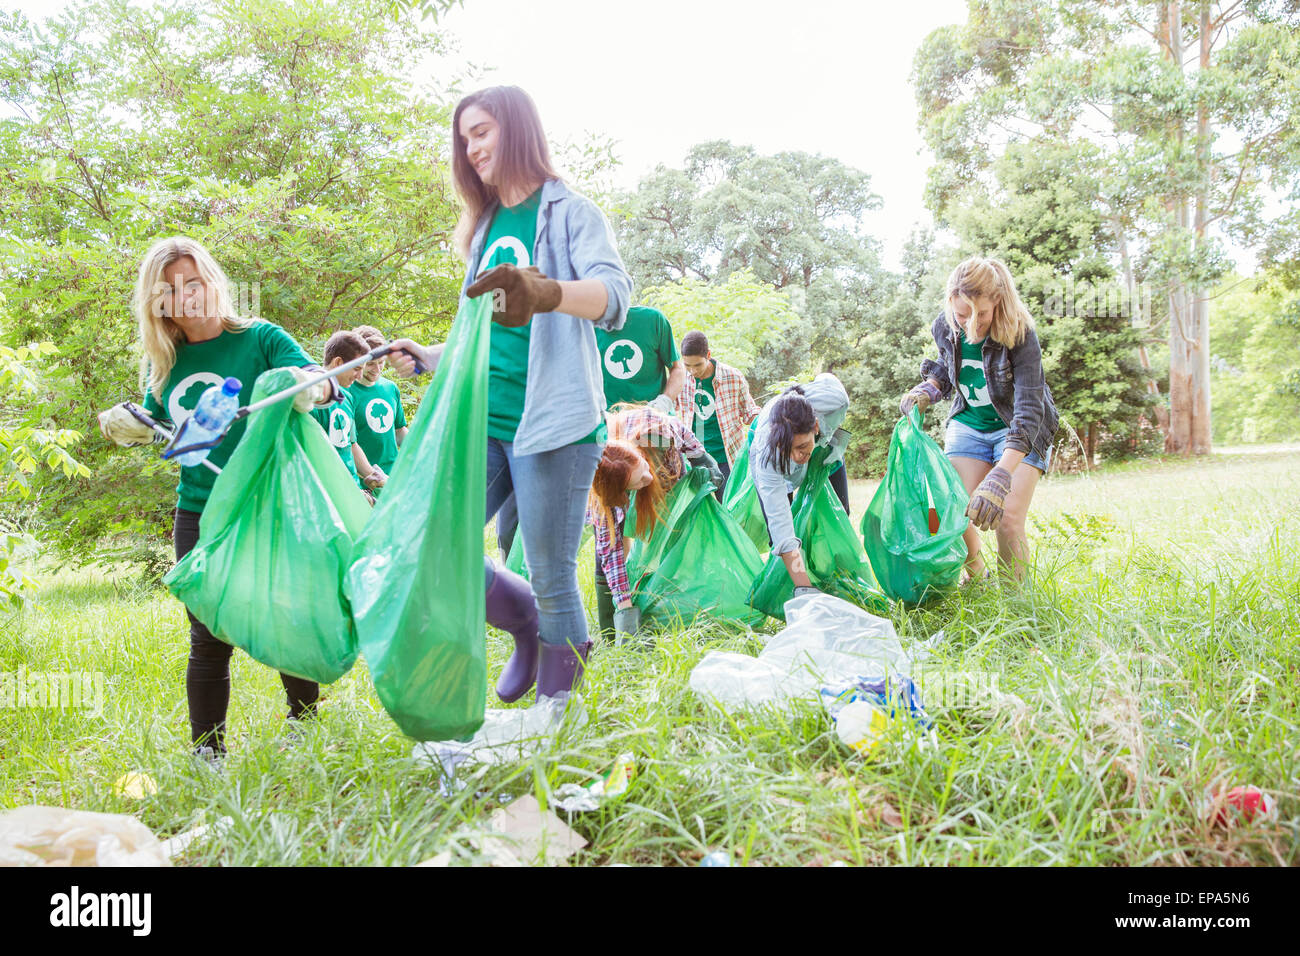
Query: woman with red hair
<point x="646" y="453"/>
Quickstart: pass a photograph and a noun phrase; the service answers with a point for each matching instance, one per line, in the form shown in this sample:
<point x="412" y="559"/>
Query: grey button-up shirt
<point x="565" y="397"/>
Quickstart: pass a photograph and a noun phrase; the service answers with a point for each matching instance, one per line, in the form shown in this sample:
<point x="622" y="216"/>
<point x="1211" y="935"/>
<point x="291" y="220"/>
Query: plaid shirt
<point x="736" y="407"/>
<point x="674" y="440"/>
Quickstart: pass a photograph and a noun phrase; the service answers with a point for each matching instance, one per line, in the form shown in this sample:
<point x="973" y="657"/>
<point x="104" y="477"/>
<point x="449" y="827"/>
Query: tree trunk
<point x="1134" y="294"/>
<point x="1091" y="450"/>
<point x="1189" y="326"/>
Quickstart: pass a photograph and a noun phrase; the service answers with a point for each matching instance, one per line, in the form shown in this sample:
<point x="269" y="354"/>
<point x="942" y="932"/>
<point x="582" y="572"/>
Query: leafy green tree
<point x="791" y="221"/>
<point x="284" y="136"/>
<point x="746" y="321"/>
<point x="1041" y="218"/>
<point x="29" y="445"/>
<point x="1151" y="87"/>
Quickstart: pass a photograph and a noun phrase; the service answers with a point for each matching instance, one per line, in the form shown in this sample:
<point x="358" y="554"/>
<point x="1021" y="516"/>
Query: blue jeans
<point x="962" y="441"/>
<point x="550" y="490"/>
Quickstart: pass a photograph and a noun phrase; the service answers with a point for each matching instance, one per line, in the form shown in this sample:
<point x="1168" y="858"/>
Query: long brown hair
<point x="522" y="156"/>
<point x="609" y="488"/>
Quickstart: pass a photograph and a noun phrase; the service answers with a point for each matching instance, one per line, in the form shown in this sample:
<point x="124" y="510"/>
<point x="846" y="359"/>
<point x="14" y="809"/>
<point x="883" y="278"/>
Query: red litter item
<point x="1241" y="805"/>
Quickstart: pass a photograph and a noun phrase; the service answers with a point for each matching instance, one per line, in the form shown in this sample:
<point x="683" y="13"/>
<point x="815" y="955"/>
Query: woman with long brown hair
<point x="548" y="257"/>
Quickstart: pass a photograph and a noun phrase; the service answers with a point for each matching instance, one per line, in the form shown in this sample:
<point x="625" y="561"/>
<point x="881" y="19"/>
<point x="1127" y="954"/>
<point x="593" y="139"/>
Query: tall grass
<point x="1153" y="656"/>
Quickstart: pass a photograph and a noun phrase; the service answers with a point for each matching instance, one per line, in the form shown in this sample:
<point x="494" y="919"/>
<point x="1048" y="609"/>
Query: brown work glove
<point x="923" y="396"/>
<point x="524" y="293"/>
<point x="985" y="508"/>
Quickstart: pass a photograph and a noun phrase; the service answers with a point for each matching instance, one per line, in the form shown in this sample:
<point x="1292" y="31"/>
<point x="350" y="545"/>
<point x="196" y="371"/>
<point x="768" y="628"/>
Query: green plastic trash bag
<point x="515" y="559"/>
<point x="832" y="550"/>
<point x="697" y="560"/>
<point x="274" y="541"/>
<point x="416" y="581"/>
<point x="740" y="498"/>
<point x="912" y="529"/>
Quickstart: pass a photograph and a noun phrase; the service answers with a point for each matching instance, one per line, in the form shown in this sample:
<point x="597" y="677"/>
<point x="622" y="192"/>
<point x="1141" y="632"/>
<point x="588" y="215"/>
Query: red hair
<point x="609" y="487"/>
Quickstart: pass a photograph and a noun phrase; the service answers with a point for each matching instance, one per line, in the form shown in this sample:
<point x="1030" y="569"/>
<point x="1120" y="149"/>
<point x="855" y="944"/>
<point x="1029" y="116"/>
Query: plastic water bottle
<point x="212" y="416"/>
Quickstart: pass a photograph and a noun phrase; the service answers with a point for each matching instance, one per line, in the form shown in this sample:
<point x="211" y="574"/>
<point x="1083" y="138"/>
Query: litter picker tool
<point x="174" y="449"/>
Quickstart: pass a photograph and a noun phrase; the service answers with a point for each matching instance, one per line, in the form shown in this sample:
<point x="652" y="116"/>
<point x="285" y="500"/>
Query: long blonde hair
<point x="158" y="333"/>
<point x="978" y="276"/>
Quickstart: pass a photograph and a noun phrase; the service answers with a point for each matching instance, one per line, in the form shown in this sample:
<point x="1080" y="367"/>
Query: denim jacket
<point x="830" y="403"/>
<point x="1015" y="382"/>
<point x="565" y="397"/>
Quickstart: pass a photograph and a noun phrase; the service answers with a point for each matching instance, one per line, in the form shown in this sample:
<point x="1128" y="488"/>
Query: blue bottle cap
<point x="231" y="386"/>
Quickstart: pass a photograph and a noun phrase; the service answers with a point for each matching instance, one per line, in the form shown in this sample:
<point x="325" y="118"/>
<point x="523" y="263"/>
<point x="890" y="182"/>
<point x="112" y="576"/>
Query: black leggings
<point x="207" y="675"/>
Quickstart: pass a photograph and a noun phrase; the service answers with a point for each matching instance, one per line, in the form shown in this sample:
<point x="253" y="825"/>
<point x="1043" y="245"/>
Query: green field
<point x="1154" y="656"/>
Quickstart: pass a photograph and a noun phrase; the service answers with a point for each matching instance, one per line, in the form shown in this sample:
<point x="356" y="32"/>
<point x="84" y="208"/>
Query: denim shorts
<point x="962" y="441"/>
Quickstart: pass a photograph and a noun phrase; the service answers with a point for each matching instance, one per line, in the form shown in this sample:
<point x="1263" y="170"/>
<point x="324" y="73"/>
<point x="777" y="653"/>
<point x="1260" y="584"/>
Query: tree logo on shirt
<point x="379" y="416"/>
<point x="507" y="250"/>
<point x="339" y="433"/>
<point x="704" y="404"/>
<point x="976" y="394"/>
<point x="623" y="358"/>
<point x="187" y="393"/>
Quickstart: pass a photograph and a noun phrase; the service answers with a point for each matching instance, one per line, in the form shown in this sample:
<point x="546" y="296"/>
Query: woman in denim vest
<point x="547" y="256"/>
<point x="1002" y="420"/>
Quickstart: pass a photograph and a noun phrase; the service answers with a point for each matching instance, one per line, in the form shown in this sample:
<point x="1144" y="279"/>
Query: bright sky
<point x="822" y="76"/>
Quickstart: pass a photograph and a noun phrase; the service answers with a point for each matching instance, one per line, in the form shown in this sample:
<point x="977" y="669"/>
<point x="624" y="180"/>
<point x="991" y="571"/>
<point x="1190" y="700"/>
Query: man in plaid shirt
<point x="715" y="404"/>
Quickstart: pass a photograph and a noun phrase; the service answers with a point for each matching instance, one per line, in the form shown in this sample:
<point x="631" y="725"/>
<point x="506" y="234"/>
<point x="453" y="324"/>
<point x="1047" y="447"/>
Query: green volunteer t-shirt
<point x="340" y="424"/>
<point x="979" y="412"/>
<point x="509" y="239"/>
<point x="378" y="413"/>
<point x="706" y="418"/>
<point x="242" y="355"/>
<point x="635" y="359"/>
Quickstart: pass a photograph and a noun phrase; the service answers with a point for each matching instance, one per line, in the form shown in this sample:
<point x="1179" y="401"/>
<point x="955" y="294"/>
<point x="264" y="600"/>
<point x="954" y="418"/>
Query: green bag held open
<point x="696" y="561"/>
<point x="741" y="500"/>
<point x="274" y="541"/>
<point x="416" y="580"/>
<point x="831" y="548"/>
<point x="912" y="530"/>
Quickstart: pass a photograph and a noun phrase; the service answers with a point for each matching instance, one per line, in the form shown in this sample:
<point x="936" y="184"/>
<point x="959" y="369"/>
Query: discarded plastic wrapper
<point x="508" y="735"/>
<point x="863" y="707"/>
<point x="54" y="836"/>
<point x="519" y="835"/>
<point x="575" y="798"/>
<point x="826" y="640"/>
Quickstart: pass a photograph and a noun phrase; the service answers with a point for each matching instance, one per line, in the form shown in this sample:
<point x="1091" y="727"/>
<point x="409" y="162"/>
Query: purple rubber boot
<point x="561" y="667"/>
<point x="512" y="607"/>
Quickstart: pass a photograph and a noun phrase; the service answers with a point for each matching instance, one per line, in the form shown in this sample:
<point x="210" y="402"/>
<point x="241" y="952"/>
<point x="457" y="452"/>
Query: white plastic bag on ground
<point x="54" y="836"/>
<point x="506" y="735"/>
<point x="826" y="639"/>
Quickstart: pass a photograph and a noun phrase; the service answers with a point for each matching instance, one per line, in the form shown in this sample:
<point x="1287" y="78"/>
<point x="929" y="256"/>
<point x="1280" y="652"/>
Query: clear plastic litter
<point x="613" y="785"/>
<point x="826" y="640"/>
<point x="54" y="836"/>
<point x="507" y="735"/>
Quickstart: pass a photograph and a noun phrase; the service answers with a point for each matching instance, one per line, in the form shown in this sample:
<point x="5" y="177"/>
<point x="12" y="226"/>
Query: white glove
<point x="664" y="404"/>
<point x="120" y="426"/>
<point x="376" y="478"/>
<point x="309" y="398"/>
<point x="803" y="592"/>
<point x="839" y="443"/>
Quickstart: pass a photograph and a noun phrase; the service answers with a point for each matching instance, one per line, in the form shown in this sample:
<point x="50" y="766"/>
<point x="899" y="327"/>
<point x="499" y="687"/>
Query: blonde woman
<point x="192" y="338"/>
<point x="1002" y="420"/>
